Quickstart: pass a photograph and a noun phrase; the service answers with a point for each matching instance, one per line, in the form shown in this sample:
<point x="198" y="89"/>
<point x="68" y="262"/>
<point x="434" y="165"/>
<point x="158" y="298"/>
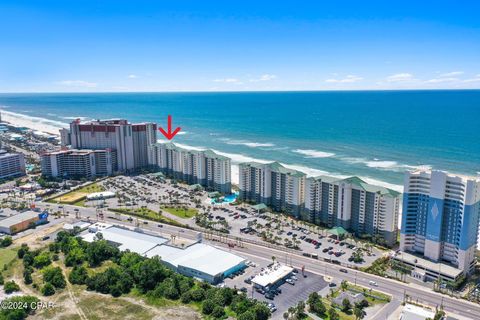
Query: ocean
<point x="376" y="135"/>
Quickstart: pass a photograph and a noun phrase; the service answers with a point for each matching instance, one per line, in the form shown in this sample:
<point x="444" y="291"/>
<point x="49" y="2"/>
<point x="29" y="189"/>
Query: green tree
<point x="5" y="242"/>
<point x="359" y="312"/>
<point x="48" y="289"/>
<point x="27" y="275"/>
<point x="218" y="312"/>
<point x="208" y="306"/>
<point x="333" y="314"/>
<point x="249" y="315"/>
<point x="54" y="276"/>
<point x="78" y="275"/>
<point x="10" y="286"/>
<point x="18" y="313"/>
<point x="261" y="311"/>
<point x="42" y="260"/>
<point x="346" y="305"/>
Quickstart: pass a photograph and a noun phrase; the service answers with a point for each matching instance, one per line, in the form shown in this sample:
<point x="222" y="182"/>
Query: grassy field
<point x="382" y="297"/>
<point x="7" y="255"/>
<point x="77" y="197"/>
<point x="147" y="214"/>
<point x="181" y="213"/>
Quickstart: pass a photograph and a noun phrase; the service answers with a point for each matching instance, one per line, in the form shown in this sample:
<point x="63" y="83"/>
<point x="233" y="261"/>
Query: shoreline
<point x="52" y="127"/>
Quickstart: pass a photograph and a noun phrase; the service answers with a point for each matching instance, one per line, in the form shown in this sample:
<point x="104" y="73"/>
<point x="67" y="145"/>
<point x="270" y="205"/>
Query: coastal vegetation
<point x="71" y="265"/>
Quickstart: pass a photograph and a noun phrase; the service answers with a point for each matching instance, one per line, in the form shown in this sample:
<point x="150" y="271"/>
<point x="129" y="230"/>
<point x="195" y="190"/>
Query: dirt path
<point x="72" y="296"/>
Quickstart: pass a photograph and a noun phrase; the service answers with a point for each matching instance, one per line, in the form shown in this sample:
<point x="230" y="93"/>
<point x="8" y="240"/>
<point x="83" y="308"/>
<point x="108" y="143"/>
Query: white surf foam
<point x="35" y="123"/>
<point x="247" y="143"/>
<point x="310" y="153"/>
<point x="384" y="164"/>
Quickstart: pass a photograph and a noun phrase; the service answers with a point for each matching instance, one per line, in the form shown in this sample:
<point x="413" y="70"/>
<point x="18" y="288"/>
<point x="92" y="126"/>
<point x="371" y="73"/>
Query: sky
<point x="104" y="46"/>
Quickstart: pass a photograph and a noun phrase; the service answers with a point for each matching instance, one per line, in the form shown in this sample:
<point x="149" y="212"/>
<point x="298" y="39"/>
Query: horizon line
<point x="244" y="91"/>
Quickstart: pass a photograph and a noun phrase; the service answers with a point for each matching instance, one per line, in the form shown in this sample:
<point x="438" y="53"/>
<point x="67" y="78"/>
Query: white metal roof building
<point x="100" y="195"/>
<point x="412" y="312"/>
<point x="126" y="239"/>
<point x="272" y="275"/>
<point x="200" y="261"/>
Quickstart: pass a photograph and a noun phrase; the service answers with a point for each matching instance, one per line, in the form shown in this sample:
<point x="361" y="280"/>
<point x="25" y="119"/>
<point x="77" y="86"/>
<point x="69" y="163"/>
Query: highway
<point x="396" y="289"/>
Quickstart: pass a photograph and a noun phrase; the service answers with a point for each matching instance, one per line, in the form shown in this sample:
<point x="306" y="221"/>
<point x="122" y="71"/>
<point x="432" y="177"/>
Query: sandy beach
<point x="34" y="123"/>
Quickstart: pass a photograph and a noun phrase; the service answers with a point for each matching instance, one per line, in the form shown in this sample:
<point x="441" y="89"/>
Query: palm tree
<point x="344" y="285"/>
<point x="359" y="312"/>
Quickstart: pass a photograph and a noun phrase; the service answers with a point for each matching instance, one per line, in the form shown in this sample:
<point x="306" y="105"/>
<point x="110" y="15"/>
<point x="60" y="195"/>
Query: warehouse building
<point x="13" y="222"/>
<point x="199" y="261"/>
<point x="194" y="259"/>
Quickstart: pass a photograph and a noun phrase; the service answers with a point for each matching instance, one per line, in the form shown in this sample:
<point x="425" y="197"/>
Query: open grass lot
<point x="7" y="255"/>
<point x="77" y="197"/>
<point x="146" y="214"/>
<point x="99" y="307"/>
<point x="373" y="297"/>
<point x="181" y="212"/>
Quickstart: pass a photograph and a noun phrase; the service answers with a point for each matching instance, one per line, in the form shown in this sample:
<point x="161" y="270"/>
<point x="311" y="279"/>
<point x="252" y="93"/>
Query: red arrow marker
<point x="169" y="135"/>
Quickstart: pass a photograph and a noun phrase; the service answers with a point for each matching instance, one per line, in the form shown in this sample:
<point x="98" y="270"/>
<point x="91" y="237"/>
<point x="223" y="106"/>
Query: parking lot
<point x="238" y="220"/>
<point x="288" y="294"/>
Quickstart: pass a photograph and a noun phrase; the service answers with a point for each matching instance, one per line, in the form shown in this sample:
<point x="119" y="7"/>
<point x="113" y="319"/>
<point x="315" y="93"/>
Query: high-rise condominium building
<point x="206" y="168"/>
<point x="440" y="217"/>
<point x="130" y="141"/>
<point x="11" y="164"/>
<point x="79" y="163"/>
<point x="272" y="184"/>
<point x="364" y="209"/>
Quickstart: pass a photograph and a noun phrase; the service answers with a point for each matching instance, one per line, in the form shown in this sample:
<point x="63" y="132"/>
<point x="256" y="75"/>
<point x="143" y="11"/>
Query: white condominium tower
<point x="11" y="164"/>
<point x="130" y="141"/>
<point x="440" y="217"/>
<point x="364" y="209"/>
<point x="79" y="163"/>
<point x="206" y="168"/>
<point x="272" y="184"/>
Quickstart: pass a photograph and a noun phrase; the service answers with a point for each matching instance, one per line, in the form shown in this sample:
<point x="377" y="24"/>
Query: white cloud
<point x="451" y="74"/>
<point x="264" y="77"/>
<point x="348" y="79"/>
<point x="227" y="80"/>
<point x="400" y="77"/>
<point x="477" y="79"/>
<point x="132" y="76"/>
<point x="441" y="80"/>
<point x="78" y="83"/>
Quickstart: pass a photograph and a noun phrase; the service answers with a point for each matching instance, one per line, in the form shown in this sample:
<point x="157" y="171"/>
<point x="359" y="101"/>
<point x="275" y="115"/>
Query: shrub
<point x="10" y="287"/>
<point x="48" y="289"/>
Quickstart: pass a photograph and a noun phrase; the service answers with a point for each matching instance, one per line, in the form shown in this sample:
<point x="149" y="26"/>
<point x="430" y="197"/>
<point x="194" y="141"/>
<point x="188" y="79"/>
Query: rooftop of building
<point x="359" y="183"/>
<point x="275" y="167"/>
<point x="204" y="258"/>
<point x="16" y="217"/>
<point x="272" y="274"/>
<point x="127" y="239"/>
<point x="75" y="151"/>
<point x="5" y="154"/>
<point x="208" y="153"/>
<point x="449" y="174"/>
<point x="413" y="312"/>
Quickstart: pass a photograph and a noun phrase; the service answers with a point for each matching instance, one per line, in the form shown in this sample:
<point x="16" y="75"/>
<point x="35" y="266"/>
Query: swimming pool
<point x="227" y="199"/>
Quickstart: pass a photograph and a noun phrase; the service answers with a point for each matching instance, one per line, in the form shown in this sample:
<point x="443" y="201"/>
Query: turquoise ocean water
<point x="376" y="135"/>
